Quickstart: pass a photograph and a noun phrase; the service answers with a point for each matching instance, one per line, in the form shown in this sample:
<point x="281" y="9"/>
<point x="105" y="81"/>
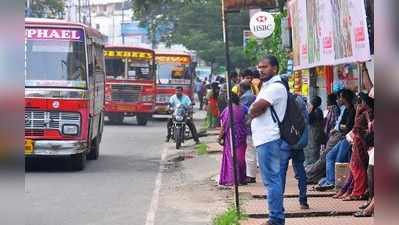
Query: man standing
<point x="246" y="99"/>
<point x="174" y="101"/>
<point x="200" y="90"/>
<point x="266" y="135"/>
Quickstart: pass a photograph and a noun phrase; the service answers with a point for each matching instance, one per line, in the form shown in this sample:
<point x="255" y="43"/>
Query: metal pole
<point x="230" y="105"/>
<point x="89" y="3"/>
<point x="123" y="20"/>
<point x="79" y="5"/>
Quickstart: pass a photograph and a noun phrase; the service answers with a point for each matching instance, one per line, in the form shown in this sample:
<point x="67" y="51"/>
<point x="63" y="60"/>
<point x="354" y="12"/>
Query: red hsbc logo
<point x="54" y="34"/>
<point x="261" y="19"/>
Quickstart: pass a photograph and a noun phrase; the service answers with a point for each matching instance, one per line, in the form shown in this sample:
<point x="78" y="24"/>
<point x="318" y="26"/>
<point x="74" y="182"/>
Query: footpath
<point x="324" y="210"/>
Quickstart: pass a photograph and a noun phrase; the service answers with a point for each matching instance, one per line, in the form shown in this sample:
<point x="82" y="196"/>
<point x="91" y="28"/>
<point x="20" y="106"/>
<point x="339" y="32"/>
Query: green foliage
<point x="47" y="9"/>
<point x="230" y="217"/>
<point x="269" y="46"/>
<point x="201" y="149"/>
<point x="198" y="26"/>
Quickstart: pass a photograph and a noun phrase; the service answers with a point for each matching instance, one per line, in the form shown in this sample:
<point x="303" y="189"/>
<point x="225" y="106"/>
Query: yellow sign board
<point x="128" y="54"/>
<point x="173" y="59"/>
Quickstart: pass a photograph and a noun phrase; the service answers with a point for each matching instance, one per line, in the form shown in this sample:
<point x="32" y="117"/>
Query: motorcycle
<point x="179" y="129"/>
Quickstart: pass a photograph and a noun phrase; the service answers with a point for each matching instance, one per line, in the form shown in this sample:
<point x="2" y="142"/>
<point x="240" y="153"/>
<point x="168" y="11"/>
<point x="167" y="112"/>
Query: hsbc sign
<point x="262" y="24"/>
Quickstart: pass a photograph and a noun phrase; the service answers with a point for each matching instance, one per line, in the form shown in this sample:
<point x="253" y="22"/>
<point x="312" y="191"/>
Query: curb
<point x="305" y="214"/>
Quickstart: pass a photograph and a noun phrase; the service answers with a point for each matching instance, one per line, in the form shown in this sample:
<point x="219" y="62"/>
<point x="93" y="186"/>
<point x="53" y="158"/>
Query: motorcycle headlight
<point x="179" y="118"/>
<point x="70" y="129"/>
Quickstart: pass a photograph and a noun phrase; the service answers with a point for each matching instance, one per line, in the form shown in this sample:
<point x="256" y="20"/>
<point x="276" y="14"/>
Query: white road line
<point x="150" y="220"/>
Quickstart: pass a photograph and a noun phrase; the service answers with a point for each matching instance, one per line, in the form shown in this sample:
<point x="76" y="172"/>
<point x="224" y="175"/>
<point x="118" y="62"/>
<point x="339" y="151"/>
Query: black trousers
<point x="201" y="100"/>
<point x="190" y="125"/>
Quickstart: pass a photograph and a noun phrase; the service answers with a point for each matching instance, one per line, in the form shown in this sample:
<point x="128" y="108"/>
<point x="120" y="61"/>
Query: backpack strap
<point x="273" y="111"/>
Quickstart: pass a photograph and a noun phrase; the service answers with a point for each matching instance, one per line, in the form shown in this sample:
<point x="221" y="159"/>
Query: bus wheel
<point x="78" y="162"/>
<point x="94" y="149"/>
<point x="116" y="118"/>
<point x="141" y="119"/>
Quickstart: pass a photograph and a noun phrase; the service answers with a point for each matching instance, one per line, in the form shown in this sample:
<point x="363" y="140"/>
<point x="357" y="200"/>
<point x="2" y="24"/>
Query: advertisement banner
<point x="328" y="32"/>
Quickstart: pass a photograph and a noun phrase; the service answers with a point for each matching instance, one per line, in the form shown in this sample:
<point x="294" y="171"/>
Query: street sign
<point x="262" y="24"/>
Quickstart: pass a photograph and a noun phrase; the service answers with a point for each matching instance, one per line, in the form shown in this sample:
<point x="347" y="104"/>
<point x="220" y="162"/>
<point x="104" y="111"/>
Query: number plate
<point x="126" y="108"/>
<point x="28" y="147"/>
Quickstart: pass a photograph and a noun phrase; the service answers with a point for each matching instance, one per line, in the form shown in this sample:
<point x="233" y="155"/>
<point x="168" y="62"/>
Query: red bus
<point x="173" y="69"/>
<point x="64" y="90"/>
<point x="130" y="83"/>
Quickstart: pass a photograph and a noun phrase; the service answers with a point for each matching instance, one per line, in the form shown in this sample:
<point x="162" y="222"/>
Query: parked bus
<point x="130" y="83"/>
<point x="64" y="90"/>
<point x="173" y="69"/>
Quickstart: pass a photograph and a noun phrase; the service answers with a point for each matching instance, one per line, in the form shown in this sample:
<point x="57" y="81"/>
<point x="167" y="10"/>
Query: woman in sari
<point x="359" y="159"/>
<point x="213" y="109"/>
<point x="240" y="132"/>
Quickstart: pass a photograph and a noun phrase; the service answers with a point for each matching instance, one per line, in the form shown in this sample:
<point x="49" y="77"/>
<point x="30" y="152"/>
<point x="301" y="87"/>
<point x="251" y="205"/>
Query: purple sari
<point x="226" y="172"/>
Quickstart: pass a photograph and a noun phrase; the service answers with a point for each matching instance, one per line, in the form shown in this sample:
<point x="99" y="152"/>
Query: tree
<point x="271" y="45"/>
<point x="47" y="9"/>
<point x="198" y="26"/>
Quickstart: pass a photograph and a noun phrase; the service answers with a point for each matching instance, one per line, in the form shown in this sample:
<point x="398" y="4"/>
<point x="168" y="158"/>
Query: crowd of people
<point x="341" y="134"/>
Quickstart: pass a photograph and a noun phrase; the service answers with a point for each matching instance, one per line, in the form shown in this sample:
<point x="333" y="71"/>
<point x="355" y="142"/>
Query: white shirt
<point x="264" y="129"/>
<point x="184" y="100"/>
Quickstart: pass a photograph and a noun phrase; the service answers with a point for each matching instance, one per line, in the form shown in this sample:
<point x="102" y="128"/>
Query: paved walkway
<point x="324" y="210"/>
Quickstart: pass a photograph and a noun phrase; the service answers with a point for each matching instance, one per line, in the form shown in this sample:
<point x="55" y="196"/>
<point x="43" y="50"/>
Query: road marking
<point x="150" y="220"/>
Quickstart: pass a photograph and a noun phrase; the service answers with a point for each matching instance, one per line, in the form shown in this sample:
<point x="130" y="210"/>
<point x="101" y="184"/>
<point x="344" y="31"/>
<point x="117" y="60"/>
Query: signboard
<point x="54" y="34"/>
<point x="328" y="32"/>
<point x="132" y="28"/>
<point x="262" y="24"/>
<point x="128" y="54"/>
<point x="173" y="59"/>
<point x="235" y="5"/>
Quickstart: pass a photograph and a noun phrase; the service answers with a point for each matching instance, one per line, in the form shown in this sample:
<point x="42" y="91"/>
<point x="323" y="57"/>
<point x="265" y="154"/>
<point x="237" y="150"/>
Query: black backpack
<point x="293" y="125"/>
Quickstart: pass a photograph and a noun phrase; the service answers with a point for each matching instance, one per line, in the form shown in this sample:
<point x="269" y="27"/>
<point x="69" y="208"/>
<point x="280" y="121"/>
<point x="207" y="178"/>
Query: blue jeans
<point x="269" y="157"/>
<point x="298" y="158"/>
<point x="340" y="153"/>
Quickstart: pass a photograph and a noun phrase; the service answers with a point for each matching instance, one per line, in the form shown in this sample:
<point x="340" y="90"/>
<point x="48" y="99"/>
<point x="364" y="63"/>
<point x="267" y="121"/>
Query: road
<point x="117" y="189"/>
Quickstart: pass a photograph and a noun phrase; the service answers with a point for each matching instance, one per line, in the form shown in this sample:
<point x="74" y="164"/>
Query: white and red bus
<point x="173" y="69"/>
<point x="130" y="83"/>
<point x="64" y="90"/>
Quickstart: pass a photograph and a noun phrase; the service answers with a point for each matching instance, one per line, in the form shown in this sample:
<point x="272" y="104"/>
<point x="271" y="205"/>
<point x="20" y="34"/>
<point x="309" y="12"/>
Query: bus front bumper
<point x="57" y="148"/>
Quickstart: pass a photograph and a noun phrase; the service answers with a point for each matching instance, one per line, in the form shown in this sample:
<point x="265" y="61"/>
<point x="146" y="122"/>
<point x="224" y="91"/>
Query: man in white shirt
<point x="266" y="135"/>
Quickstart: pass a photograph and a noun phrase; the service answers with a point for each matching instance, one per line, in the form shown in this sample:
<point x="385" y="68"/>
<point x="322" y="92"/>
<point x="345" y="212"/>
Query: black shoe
<point x="197" y="142"/>
<point x="324" y="188"/>
<point x="167" y="139"/>
<point x="251" y="180"/>
<point x="304" y="206"/>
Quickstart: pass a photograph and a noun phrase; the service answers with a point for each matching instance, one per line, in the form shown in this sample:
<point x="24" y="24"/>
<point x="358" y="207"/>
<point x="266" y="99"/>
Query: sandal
<point x="354" y="198"/>
<point x="362" y="213"/>
<point x="364" y="206"/>
<point x="339" y="194"/>
<point x="347" y="194"/>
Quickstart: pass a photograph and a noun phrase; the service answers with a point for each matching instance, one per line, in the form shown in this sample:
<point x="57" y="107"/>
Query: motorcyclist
<point x="180" y="99"/>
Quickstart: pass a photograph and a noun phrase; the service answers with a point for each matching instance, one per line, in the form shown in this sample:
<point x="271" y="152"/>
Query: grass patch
<point x="230" y="217"/>
<point x="201" y="149"/>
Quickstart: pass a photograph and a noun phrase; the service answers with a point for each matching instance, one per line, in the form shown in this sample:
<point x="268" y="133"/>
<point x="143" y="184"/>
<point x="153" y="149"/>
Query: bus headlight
<point x="147" y="98"/>
<point x="70" y="129"/>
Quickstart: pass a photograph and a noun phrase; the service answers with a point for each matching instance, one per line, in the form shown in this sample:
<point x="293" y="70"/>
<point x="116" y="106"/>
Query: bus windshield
<point x="173" y="73"/>
<point x="55" y="63"/>
<point x="131" y="69"/>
